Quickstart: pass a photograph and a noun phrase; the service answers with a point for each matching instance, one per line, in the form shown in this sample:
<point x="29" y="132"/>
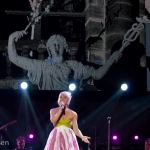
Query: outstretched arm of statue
<point x="147" y="5"/>
<point x="23" y="62"/>
<point x="101" y="71"/>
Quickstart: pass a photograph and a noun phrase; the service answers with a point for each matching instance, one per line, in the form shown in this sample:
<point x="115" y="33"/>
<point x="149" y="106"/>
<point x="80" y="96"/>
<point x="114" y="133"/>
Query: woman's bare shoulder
<point x="53" y="110"/>
<point x="73" y="112"/>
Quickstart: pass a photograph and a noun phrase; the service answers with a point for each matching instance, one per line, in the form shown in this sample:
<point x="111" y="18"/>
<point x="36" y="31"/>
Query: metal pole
<point x="95" y="138"/>
<point x="108" y="142"/>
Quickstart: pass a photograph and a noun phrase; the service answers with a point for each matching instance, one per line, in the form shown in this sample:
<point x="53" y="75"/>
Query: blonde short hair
<point x="68" y="94"/>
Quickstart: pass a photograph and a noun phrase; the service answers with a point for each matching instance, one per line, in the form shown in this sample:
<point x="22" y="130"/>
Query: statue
<point x="147" y="5"/>
<point x="54" y="72"/>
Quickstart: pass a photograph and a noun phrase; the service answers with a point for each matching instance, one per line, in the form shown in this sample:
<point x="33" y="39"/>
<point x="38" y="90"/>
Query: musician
<point x="63" y="136"/>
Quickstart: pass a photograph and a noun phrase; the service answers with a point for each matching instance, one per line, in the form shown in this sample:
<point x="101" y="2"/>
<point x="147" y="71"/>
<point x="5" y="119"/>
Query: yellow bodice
<point x="65" y="122"/>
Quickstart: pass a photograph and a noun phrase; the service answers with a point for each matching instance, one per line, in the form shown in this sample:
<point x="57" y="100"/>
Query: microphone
<point x="63" y="107"/>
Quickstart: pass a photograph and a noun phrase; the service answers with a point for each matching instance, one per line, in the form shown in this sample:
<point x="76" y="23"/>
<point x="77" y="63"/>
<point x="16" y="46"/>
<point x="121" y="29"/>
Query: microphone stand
<point x="95" y="144"/>
<point x="108" y="142"/>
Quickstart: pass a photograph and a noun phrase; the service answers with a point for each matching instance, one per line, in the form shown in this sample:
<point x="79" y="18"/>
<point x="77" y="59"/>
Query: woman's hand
<point x="86" y="139"/>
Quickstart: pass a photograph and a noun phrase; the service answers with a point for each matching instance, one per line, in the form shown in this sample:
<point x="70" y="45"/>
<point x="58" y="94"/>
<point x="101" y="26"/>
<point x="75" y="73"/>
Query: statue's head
<point x="56" y="45"/>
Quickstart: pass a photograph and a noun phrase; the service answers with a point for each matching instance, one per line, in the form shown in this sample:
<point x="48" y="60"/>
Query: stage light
<point x="72" y="86"/>
<point x="24" y="85"/>
<point x="136" y="137"/>
<point x="124" y="87"/>
<point x="31" y="136"/>
<point x="114" y="137"/>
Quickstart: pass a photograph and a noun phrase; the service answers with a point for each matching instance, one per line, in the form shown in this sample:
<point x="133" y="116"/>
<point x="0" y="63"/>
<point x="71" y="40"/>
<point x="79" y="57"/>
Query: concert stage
<point x="27" y="112"/>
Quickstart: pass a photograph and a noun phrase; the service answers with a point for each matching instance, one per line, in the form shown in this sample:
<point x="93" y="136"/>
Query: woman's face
<point x="63" y="99"/>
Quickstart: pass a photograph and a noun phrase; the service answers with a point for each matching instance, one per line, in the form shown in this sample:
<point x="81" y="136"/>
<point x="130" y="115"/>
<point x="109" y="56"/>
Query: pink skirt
<point x="62" y="138"/>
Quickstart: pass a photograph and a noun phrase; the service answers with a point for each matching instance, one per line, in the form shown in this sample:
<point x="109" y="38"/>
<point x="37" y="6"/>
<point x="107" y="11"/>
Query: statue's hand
<point x="15" y="36"/>
<point x="116" y="56"/>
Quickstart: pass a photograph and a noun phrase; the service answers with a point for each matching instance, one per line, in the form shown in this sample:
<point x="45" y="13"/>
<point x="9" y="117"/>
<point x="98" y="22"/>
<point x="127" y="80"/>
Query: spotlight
<point x="24" y="85"/>
<point x="124" y="87"/>
<point x="72" y="86"/>
<point x="136" y="137"/>
<point x="31" y="136"/>
<point x="114" y="137"/>
<point x="115" y="142"/>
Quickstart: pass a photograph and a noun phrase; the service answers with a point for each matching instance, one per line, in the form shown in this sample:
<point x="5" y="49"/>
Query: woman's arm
<point x="77" y="131"/>
<point x="23" y="62"/>
<point x="54" y="115"/>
